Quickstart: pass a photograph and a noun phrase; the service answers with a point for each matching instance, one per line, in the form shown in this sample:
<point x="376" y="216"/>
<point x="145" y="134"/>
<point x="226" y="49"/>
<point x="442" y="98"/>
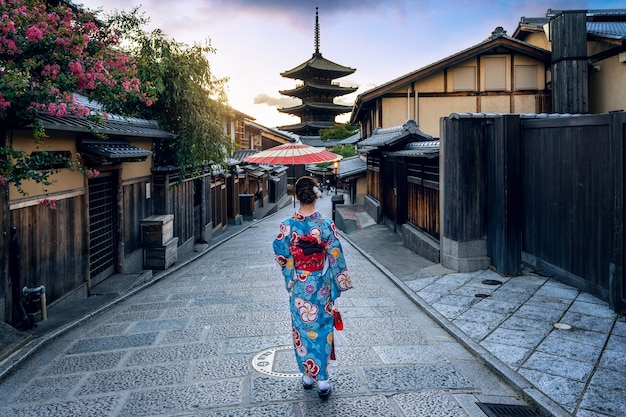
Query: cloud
<point x="278" y="102"/>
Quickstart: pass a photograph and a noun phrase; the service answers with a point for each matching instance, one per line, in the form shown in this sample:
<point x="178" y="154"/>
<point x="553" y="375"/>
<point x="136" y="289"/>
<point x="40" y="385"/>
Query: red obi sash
<point x="308" y="253"/>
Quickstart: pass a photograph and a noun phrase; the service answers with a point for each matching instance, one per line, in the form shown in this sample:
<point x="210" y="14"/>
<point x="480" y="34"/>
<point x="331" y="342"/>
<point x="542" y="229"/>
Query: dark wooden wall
<point x="423" y="195"/>
<point x="572" y="182"/>
<point x="547" y="191"/>
<point x="53" y="248"/>
<point x="135" y="208"/>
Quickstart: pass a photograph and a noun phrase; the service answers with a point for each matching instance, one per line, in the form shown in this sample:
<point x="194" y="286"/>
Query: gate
<point x="102" y="227"/>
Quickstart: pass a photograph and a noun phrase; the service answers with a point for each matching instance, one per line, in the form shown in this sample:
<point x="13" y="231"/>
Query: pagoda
<point x="317" y="91"/>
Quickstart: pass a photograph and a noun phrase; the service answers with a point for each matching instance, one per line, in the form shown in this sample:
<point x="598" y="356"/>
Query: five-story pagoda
<point x="317" y="91"/>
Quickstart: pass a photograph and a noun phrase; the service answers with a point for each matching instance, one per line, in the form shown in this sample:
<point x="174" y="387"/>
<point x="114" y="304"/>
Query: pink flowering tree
<point x="47" y="53"/>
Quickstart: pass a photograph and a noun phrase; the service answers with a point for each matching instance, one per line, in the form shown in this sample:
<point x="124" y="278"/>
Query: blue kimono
<point x="310" y="255"/>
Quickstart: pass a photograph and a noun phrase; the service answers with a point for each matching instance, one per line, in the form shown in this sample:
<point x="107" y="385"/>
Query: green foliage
<point x="339" y="131"/>
<point x="346" y="150"/>
<point x="190" y="101"/>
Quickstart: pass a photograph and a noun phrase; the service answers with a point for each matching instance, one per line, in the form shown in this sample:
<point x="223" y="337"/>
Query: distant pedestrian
<point x="309" y="252"/>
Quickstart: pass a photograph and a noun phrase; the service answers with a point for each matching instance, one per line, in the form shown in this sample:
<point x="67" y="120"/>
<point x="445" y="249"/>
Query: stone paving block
<point x="158" y="325"/>
<point x="408" y="378"/>
<point x="157" y="306"/>
<point x="222" y="367"/>
<point x="181" y="336"/>
<point x="609" y="402"/>
<point x="348" y="338"/>
<point x="256" y="344"/>
<point x="556" y="365"/>
<point x="84" y="363"/>
<point x="420" y="283"/>
<point x="614" y="359"/>
<point x="518" y="322"/>
<point x="582" y="336"/>
<point x="528" y="338"/>
<point x="407" y="337"/>
<point x="588" y="322"/>
<point x="513" y="356"/>
<point x="430" y="297"/>
<point x="428" y="403"/>
<point x="174" y="353"/>
<point x="188" y="398"/>
<point x="447" y="310"/>
<point x="113" y="342"/>
<point x="558" y="291"/>
<point x="563" y="390"/>
<point x="218" y="319"/>
<point x="134" y="316"/>
<point x="91" y="407"/>
<point x="497" y="306"/>
<point x="596" y="309"/>
<point x="267" y="410"/>
<point x="354" y="356"/>
<point x="540" y="313"/>
<point x="580" y="352"/>
<point x="48" y="388"/>
<point x="409" y="354"/>
<point x="477" y="331"/>
<point x="109" y="329"/>
<point x="132" y="379"/>
<point x="200" y="310"/>
<point x="354" y="407"/>
<point x="616" y="342"/>
<point x="488" y="318"/>
<point x="372" y="301"/>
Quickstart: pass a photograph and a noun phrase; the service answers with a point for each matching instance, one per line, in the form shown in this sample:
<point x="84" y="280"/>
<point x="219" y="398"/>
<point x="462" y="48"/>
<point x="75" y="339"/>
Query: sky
<point x="256" y="40"/>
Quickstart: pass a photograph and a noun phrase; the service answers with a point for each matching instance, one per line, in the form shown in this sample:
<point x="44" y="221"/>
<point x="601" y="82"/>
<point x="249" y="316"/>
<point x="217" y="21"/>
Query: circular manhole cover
<point x="492" y="282"/>
<point x="267" y="361"/>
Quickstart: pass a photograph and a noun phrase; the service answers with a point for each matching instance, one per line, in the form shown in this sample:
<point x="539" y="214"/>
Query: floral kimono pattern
<point x="310" y="255"/>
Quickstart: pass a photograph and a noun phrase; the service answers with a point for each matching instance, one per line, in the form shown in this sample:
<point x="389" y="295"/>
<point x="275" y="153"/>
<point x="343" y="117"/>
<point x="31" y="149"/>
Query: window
<point x="464" y="79"/>
<point x="526" y="77"/>
<point x="495" y="74"/>
<point x="50" y="159"/>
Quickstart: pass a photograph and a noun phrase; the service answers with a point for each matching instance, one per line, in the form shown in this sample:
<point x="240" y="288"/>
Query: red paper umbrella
<point x="292" y="154"/>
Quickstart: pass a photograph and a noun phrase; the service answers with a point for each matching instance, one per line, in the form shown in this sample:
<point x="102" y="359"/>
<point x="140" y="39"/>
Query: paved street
<point x="213" y="339"/>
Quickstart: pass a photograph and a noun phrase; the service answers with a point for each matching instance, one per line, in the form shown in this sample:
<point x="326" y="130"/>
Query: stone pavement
<point x="210" y="336"/>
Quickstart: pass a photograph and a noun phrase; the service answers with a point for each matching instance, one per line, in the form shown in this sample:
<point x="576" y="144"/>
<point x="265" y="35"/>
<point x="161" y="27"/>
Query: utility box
<point x="160" y="247"/>
<point x="161" y="257"/>
<point x="246" y="205"/>
<point x="157" y="230"/>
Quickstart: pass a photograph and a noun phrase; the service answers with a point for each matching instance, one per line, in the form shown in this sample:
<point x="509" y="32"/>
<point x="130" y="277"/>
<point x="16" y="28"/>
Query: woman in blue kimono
<point x="313" y="265"/>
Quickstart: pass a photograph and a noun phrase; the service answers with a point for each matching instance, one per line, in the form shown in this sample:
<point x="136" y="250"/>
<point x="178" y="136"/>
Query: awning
<point x="113" y="150"/>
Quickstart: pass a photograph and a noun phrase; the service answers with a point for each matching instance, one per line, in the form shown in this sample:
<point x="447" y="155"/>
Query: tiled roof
<point x="318" y="142"/>
<point x="353" y="165"/>
<point x="392" y="135"/>
<point x="426" y="149"/>
<point x="113" y="124"/>
<point x="114" y="150"/>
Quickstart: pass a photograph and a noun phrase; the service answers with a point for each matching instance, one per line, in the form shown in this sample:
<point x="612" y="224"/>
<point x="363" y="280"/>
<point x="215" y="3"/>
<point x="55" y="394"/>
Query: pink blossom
<point x="3" y="180"/>
<point x="33" y="34"/>
<point x="92" y="173"/>
<point x="52" y="204"/>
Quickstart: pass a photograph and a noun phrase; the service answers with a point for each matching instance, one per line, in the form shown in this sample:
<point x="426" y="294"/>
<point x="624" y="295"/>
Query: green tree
<point x="190" y="100"/>
<point x="339" y="131"/>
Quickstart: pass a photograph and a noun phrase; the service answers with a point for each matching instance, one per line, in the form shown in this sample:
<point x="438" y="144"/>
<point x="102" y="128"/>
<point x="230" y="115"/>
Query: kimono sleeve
<point x="337" y="264"/>
<point x="282" y="254"/>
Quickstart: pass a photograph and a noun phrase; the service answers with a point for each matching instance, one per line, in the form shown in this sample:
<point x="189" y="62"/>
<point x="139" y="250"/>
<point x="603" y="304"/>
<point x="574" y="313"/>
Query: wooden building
<point x="92" y="229"/>
<point x="501" y="74"/>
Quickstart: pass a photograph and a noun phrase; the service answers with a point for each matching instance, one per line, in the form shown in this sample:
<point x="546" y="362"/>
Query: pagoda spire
<point x="317" y="32"/>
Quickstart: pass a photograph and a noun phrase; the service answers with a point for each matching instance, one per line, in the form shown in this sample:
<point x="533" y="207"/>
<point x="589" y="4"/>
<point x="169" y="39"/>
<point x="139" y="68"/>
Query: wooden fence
<point x="545" y="190"/>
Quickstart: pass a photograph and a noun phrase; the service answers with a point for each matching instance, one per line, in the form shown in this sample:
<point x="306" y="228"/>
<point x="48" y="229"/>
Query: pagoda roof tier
<point x="317" y="108"/>
<point x="318" y="67"/>
<point x="307" y="128"/>
<point x="304" y="90"/>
